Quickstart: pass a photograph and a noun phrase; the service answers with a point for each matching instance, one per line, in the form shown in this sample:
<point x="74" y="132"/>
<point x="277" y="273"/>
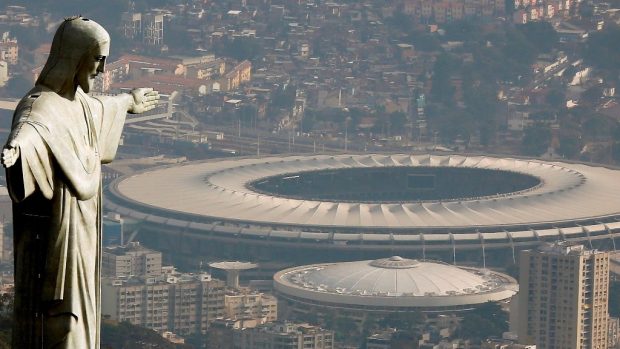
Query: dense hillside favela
<point x="349" y="174"/>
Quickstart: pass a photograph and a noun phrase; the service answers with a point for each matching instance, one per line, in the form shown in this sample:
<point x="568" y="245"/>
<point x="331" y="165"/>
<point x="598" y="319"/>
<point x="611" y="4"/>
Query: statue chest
<point x="79" y="132"/>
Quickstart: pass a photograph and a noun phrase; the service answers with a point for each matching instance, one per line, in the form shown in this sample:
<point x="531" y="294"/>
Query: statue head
<point x="78" y="54"/>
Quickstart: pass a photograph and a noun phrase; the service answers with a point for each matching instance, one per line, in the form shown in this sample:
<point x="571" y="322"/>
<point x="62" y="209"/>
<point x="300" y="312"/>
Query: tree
<point x="398" y="121"/>
<point x="283" y="96"/>
<point x="556" y="98"/>
<point x="602" y="49"/>
<point x="6" y="320"/>
<point x="401" y="22"/>
<point x="540" y="34"/>
<point x="543" y="115"/>
<point x="517" y="46"/>
<point x="481" y="103"/>
<point x="426" y="42"/>
<point x="465" y="30"/>
<point x="487" y="320"/>
<point x="599" y="127"/>
<point x="570" y="145"/>
<point x="536" y="140"/>
<point x="127" y="336"/>
<point x="451" y="124"/>
<point x="442" y="89"/>
<point x="405" y="321"/>
<point x="241" y="48"/>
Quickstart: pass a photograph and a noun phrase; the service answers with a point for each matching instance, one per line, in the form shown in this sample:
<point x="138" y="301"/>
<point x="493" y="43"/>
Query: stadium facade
<point x="317" y="208"/>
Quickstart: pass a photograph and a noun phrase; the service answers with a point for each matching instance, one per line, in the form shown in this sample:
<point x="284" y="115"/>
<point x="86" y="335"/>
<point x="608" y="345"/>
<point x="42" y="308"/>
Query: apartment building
<point x="246" y="303"/>
<point x="9" y="49"/>
<point x="180" y="303"/>
<point x="563" y="297"/>
<point x="129" y="260"/>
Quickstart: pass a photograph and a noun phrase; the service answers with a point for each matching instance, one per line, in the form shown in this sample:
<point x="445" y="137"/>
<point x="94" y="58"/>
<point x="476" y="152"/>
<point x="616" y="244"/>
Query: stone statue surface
<point x="59" y="138"/>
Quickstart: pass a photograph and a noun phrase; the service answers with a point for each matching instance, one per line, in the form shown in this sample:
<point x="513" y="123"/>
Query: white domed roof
<point x="398" y="276"/>
<point x="395" y="281"/>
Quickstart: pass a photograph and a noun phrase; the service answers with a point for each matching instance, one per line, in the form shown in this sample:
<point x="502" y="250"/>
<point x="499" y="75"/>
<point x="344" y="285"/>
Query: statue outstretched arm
<point x="113" y="111"/>
<point x="142" y="99"/>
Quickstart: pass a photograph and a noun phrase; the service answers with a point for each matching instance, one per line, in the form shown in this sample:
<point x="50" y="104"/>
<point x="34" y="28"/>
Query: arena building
<point x="367" y="206"/>
<point x="389" y="285"/>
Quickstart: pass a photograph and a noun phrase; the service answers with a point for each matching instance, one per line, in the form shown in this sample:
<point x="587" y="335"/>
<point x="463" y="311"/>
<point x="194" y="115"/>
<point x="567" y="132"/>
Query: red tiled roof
<point x="165" y="84"/>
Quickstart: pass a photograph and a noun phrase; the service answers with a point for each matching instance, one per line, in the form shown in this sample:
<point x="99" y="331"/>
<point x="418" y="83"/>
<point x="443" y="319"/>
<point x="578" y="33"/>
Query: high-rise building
<point x="132" y="24"/>
<point x="563" y="297"/>
<point x="136" y="288"/>
<point x="9" y="49"/>
<point x="181" y="303"/>
<point x="153" y="29"/>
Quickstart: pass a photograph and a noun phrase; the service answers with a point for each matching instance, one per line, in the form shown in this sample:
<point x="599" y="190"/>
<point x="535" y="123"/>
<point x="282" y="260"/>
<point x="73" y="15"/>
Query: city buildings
<point x="130" y="260"/>
<point x="195" y="75"/>
<point x="149" y="27"/>
<point x="283" y="336"/>
<point x="563" y="297"/>
<point x="9" y="49"/>
<point x="153" y="29"/>
<point x="450" y="10"/>
<point x="248" y="304"/>
<point x="180" y="303"/>
<point x="136" y="288"/>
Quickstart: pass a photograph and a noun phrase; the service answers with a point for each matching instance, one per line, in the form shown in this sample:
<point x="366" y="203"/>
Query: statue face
<point x="92" y="64"/>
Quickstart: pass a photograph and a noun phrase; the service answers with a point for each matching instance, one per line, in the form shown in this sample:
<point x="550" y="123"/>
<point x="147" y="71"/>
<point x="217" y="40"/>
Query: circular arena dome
<point x="374" y="203"/>
<point x="393" y="284"/>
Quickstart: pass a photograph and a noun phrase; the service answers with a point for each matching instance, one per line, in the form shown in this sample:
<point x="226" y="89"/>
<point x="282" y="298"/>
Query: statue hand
<point x="10" y="154"/>
<point x="144" y="99"/>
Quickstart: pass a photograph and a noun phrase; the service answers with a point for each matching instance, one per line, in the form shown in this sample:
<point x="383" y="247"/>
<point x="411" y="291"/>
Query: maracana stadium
<point x="327" y="208"/>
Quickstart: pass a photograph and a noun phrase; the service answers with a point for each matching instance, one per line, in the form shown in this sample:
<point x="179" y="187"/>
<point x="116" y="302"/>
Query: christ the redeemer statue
<point x="59" y="139"/>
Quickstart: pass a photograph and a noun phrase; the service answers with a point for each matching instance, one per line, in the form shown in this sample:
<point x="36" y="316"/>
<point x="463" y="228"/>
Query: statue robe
<point x="56" y="190"/>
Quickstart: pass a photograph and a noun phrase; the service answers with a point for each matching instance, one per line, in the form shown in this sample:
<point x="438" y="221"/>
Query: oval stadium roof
<point x="218" y="190"/>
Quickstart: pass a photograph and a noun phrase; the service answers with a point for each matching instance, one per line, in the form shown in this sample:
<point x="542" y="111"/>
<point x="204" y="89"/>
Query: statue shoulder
<point x="45" y="101"/>
<point x="37" y="104"/>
